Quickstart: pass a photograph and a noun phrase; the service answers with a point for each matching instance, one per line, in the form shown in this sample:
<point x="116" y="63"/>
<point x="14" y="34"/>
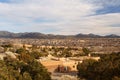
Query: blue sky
<point x="61" y="16"/>
<point x="4" y="0"/>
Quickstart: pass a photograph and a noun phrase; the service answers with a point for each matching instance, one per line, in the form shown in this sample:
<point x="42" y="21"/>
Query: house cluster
<point x="96" y="45"/>
<point x="63" y="64"/>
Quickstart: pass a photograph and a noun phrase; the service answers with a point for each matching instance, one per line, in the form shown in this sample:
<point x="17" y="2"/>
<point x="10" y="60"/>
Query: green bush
<point x="12" y="69"/>
<point x="105" y="69"/>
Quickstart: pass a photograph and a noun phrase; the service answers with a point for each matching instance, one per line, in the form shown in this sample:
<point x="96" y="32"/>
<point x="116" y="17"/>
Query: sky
<point x="65" y="17"/>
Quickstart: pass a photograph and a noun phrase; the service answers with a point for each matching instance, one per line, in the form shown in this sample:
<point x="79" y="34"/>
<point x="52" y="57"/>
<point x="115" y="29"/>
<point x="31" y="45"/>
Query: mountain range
<point x="37" y="35"/>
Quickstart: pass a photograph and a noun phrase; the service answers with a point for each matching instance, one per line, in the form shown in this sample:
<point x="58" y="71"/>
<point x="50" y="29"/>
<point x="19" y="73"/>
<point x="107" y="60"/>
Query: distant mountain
<point x="6" y="34"/>
<point x="87" y="36"/>
<point x="33" y="35"/>
<point x="112" y="36"/>
<point x="36" y="35"/>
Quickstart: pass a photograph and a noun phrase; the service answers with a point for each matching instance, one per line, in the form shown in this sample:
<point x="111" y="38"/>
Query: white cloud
<point x="69" y="16"/>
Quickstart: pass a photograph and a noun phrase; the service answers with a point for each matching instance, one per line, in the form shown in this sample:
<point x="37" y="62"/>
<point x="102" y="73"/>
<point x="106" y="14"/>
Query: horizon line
<point x="59" y="34"/>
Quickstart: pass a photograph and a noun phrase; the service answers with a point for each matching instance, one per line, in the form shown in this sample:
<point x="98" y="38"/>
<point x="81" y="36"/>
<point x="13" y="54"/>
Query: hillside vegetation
<point x="107" y="68"/>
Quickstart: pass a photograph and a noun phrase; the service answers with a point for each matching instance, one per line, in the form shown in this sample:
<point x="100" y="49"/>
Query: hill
<point x="37" y="35"/>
